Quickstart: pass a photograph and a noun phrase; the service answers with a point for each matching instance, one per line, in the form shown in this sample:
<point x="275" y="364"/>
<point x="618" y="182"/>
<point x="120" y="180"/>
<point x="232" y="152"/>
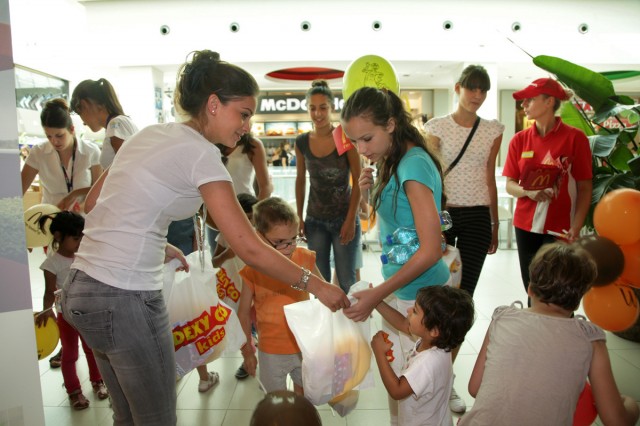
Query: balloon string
<point x="261" y="385"/>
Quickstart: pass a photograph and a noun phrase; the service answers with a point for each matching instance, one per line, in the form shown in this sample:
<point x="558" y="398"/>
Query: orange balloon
<point x="631" y="272"/>
<point x="613" y="307"/>
<point x="617" y="216"/>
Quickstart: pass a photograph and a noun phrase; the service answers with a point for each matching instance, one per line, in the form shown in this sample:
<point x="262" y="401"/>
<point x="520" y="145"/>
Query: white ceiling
<point x="94" y="38"/>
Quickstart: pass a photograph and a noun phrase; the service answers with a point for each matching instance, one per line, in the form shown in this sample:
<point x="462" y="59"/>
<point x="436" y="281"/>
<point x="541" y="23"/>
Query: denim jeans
<point x="133" y="346"/>
<point x="322" y="235"/>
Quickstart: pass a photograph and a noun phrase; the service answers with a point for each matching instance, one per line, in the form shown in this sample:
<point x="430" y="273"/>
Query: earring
<point x="213" y="111"/>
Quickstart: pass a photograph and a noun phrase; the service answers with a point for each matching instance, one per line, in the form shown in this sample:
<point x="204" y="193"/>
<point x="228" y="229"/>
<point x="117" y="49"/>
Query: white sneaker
<point x="456" y="404"/>
<point x="205" y="385"/>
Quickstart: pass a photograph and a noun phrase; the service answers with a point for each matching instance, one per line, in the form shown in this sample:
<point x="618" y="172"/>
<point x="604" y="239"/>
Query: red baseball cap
<point x="542" y="86"/>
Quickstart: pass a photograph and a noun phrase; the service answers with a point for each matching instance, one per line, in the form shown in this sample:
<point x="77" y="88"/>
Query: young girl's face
<point x="282" y="237"/>
<point x="371" y="141"/>
<point x="60" y="139"/>
<point x="319" y="107"/>
<point x="231" y="120"/>
<point x="471" y="99"/>
<point x="70" y="245"/>
<point x="88" y="112"/>
<point x="415" y="315"/>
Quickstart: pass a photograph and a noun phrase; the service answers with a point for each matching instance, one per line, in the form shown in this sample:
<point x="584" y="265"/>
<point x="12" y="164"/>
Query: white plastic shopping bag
<point x="452" y="258"/>
<point x="203" y="327"/>
<point x="336" y="357"/>
<point x="229" y="282"/>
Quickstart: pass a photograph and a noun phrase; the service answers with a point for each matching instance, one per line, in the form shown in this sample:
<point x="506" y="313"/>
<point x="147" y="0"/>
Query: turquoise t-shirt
<point x="416" y="165"/>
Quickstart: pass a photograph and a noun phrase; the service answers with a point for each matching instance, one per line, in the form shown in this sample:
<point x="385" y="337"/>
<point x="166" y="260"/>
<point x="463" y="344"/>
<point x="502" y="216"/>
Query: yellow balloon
<point x="35" y="236"/>
<point x="47" y="338"/>
<point x="369" y="71"/>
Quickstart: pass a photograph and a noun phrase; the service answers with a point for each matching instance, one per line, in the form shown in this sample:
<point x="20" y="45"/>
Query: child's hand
<point x="42" y="317"/>
<point x="380" y="344"/>
<point x="250" y="364"/>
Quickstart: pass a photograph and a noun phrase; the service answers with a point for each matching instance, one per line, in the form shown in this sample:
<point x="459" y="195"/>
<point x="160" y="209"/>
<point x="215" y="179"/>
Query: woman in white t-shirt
<point x="96" y="102"/>
<point x="114" y="293"/>
<point x="67" y="166"/>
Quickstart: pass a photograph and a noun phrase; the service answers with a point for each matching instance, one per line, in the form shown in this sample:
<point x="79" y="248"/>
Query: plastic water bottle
<point x="443" y="243"/>
<point x="445" y="220"/>
<point x="402" y="236"/>
<point x="400" y="254"/>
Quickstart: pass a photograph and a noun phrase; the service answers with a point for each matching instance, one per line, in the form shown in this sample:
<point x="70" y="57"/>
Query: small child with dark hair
<point x="440" y="319"/>
<point x="229" y="287"/>
<point x="66" y="228"/>
<point x="534" y="362"/>
<point x="285" y="408"/>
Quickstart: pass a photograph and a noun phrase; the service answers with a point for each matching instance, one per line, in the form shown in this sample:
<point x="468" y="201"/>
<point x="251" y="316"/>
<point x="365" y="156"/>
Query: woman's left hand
<point x="572" y="234"/>
<point x="173" y="252"/>
<point x="347" y="232"/>
<point x="361" y="310"/>
<point x="493" y="247"/>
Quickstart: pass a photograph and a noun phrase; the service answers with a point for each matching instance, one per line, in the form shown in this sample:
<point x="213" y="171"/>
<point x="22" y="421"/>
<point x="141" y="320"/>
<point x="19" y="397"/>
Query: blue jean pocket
<point x="96" y="328"/>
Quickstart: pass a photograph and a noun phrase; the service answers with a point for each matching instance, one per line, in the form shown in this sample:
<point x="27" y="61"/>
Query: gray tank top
<point x="329" y="189"/>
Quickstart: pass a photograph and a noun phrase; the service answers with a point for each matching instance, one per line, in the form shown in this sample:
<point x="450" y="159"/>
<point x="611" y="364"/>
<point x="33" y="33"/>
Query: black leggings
<point x="528" y="245"/>
<point x="472" y="229"/>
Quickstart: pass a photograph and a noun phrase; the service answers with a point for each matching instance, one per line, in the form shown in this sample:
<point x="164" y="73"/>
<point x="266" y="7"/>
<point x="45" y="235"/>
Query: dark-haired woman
<point x="331" y="221"/>
<point x="96" y="102"/>
<point x="67" y="166"/>
<point x="162" y="174"/>
<point x="407" y="193"/>
<point x="470" y="186"/>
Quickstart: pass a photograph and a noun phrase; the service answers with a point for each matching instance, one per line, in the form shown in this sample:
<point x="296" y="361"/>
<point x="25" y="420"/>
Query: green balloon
<point x="369" y="71"/>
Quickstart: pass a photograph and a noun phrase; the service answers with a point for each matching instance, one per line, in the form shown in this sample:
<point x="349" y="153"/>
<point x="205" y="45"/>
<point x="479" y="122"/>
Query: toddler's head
<point x="285" y="408"/>
<point x="449" y="310"/>
<point x="66" y="228"/>
<point x="277" y="224"/>
<point x="561" y="274"/>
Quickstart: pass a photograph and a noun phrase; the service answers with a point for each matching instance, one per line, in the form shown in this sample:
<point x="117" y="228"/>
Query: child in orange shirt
<point x="279" y="354"/>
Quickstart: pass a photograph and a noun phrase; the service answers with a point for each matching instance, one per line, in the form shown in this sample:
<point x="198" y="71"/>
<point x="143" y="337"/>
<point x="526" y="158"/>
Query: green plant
<point x="616" y="163"/>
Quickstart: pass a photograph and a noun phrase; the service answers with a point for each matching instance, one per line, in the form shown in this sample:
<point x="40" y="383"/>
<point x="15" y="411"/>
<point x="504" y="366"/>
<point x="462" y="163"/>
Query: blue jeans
<point x="133" y="346"/>
<point x="322" y="235"/>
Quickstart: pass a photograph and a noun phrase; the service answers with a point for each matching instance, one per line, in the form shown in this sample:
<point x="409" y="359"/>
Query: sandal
<point x="100" y="389"/>
<point x="211" y="381"/>
<point x="56" y="360"/>
<point x="78" y="400"/>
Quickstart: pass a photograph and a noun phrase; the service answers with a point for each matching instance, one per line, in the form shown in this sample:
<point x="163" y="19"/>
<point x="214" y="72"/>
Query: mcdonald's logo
<point x="541" y="181"/>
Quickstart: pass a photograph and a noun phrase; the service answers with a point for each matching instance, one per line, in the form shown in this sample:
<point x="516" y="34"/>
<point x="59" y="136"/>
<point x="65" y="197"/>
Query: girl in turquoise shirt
<point x="407" y="193"/>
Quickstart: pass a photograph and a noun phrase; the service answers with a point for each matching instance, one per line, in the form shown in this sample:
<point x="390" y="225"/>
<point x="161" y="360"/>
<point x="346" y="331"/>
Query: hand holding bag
<point x="203" y="327"/>
<point x="336" y="357"/>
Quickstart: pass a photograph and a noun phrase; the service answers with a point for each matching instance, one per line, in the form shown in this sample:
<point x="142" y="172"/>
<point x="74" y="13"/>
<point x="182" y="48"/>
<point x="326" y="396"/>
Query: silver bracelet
<point x="303" y="282"/>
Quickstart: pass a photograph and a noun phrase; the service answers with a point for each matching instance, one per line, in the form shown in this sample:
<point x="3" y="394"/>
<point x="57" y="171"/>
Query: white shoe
<point x="205" y="385"/>
<point x="456" y="404"/>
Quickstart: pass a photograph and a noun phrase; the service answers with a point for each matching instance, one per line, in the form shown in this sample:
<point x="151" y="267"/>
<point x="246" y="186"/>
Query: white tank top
<point x="241" y="170"/>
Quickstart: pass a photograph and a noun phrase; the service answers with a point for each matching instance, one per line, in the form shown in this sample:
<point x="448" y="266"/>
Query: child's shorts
<point x="274" y="369"/>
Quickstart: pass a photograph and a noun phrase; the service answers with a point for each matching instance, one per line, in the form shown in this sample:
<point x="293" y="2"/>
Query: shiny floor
<point x="231" y="402"/>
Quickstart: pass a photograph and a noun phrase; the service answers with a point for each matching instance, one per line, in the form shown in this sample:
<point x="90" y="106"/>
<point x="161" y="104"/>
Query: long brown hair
<point x="379" y="106"/>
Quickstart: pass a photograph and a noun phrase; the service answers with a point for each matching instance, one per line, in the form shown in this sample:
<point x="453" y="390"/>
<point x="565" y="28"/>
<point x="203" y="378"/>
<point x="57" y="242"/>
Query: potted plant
<point x="611" y="125"/>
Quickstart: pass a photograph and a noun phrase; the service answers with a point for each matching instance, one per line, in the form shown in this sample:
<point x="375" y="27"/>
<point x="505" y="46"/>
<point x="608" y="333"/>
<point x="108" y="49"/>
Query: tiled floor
<point x="231" y="402"/>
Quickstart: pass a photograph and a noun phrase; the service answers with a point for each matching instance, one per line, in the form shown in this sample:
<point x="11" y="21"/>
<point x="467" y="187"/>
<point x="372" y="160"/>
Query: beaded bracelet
<point x="303" y="282"/>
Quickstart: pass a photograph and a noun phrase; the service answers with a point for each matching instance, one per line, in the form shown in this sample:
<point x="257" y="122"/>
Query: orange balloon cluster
<point x="614" y="306"/>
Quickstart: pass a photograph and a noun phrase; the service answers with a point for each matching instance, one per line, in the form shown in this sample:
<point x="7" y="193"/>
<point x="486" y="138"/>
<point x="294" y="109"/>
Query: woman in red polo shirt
<point x="558" y="209"/>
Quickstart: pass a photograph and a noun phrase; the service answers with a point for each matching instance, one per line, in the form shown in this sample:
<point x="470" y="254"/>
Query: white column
<point x="20" y="392"/>
<point x="136" y="89"/>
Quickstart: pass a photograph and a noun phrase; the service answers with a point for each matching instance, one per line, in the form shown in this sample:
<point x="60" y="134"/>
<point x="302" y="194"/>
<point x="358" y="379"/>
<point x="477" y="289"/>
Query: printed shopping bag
<point x="203" y="327"/>
<point x="229" y="282"/>
<point x="452" y="258"/>
<point x="336" y="357"/>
